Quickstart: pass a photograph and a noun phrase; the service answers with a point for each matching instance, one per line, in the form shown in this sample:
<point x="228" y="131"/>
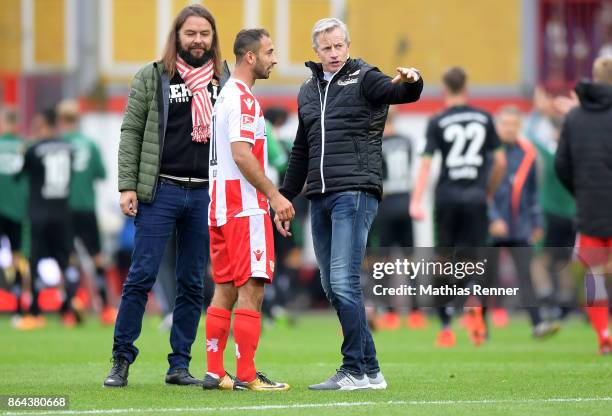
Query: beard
<point x="260" y="71"/>
<point x="192" y="60"/>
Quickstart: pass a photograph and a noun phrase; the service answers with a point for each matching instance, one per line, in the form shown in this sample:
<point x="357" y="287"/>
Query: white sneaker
<point x="377" y="381"/>
<point x="342" y="380"/>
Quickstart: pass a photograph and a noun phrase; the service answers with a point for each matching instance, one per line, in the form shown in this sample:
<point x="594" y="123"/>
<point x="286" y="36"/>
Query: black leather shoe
<point x="181" y="377"/>
<point x="118" y="375"/>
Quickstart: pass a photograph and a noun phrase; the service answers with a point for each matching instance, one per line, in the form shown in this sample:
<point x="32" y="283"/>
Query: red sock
<point x="217" y="331"/>
<point x="247" y="327"/>
<point x="598" y="314"/>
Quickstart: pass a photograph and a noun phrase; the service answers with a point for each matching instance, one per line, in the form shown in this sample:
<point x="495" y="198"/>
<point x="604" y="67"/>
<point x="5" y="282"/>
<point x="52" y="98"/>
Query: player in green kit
<point x="12" y="198"/>
<point x="87" y="169"/>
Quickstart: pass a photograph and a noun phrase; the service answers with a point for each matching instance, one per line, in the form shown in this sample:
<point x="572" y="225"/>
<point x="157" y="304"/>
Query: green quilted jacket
<point x="142" y="132"/>
<point x="144" y="128"/>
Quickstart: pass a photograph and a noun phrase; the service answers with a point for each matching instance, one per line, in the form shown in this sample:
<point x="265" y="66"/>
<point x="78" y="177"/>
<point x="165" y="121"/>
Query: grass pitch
<point x="510" y="375"/>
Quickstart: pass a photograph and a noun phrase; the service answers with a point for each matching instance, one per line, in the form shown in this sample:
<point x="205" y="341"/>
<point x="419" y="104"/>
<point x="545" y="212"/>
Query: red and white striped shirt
<point x="237" y="117"/>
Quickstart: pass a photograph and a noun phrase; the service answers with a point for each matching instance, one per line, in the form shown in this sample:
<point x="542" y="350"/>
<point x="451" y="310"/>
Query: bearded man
<point x="163" y="180"/>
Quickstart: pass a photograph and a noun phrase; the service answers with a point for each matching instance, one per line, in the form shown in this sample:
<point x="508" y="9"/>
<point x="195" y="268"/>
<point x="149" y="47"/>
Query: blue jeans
<point x="340" y="225"/>
<point x="185" y="210"/>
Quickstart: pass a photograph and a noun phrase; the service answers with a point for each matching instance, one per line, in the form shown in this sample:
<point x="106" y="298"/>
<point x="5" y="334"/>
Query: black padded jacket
<point x="584" y="158"/>
<point x="338" y="145"/>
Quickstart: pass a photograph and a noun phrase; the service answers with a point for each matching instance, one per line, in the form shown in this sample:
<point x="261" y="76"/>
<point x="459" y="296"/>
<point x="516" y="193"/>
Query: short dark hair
<point x="49" y="116"/>
<point x="248" y="40"/>
<point x="455" y="79"/>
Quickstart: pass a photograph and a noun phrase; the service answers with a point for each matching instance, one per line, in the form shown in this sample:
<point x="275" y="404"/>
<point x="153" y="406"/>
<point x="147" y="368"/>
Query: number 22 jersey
<point x="465" y="136"/>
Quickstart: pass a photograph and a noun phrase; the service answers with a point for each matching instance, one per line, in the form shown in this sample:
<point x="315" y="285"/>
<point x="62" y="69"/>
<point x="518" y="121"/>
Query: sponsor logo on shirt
<point x="247" y="122"/>
<point x="248" y="102"/>
<point x="348" y="81"/>
<point x="179" y="93"/>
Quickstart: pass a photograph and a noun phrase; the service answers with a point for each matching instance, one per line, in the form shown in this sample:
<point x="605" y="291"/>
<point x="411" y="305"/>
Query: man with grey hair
<point x="342" y="110"/>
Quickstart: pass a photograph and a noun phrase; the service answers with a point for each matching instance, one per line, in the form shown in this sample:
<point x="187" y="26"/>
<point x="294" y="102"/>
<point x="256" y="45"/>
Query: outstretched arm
<point x="406" y="87"/>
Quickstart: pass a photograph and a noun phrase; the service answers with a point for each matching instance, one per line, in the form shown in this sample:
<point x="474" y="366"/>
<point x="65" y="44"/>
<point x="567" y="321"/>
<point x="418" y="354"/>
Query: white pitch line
<point x="306" y="406"/>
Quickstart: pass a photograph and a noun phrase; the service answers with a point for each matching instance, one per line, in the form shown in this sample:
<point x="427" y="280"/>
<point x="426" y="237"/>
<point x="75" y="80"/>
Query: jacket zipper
<point x="322" y="134"/>
<point x="323" y="103"/>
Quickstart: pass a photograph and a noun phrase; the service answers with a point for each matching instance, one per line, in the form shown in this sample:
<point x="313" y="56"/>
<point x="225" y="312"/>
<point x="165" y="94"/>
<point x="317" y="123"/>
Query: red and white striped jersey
<point x="237" y="117"/>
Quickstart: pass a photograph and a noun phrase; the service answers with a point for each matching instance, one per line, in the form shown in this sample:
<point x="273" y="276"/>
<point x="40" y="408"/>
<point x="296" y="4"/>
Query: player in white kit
<point x="241" y="239"/>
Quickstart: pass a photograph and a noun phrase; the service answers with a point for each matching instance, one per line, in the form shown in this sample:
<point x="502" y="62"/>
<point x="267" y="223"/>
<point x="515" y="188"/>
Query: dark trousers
<point x="522" y="254"/>
<point x="185" y="209"/>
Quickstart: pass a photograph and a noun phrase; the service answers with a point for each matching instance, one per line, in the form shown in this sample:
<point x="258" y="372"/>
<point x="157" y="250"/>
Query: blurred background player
<point x="288" y="251"/>
<point x="393" y="224"/>
<point x="47" y="166"/>
<point x="12" y="199"/>
<point x="277" y="294"/>
<point x="465" y="136"/>
<point x="542" y="128"/>
<point x="515" y="215"/>
<point x="584" y="165"/>
<point x="87" y="168"/>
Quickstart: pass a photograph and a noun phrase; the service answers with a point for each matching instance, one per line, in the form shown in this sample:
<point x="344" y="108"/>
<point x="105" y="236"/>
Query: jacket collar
<point x="317" y="69"/>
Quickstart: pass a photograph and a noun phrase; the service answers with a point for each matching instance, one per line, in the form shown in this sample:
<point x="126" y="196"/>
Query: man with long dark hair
<point x="163" y="180"/>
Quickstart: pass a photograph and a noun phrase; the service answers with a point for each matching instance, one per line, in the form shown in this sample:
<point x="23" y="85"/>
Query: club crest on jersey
<point x="248" y="102"/>
<point x="258" y="254"/>
<point x="212" y="345"/>
<point x="247" y="122"/>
